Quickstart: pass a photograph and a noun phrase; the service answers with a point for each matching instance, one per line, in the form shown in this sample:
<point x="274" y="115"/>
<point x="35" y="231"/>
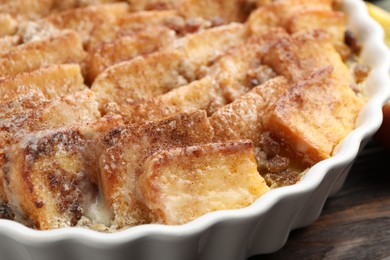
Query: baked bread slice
<point x="84" y="20"/>
<point x="217" y="11"/>
<point x="51" y="177"/>
<point x="53" y="81"/>
<point x="332" y="21"/>
<point x="297" y="56"/>
<point x="232" y="75"/>
<point x="63" y="48"/>
<point x="145" y="77"/>
<point x="182" y="184"/>
<point x="244" y="117"/>
<point x="127" y="150"/>
<point x="32" y="112"/>
<point x="278" y="13"/>
<point x="46" y="179"/>
<point x="148" y="40"/>
<point x="314" y="115"/>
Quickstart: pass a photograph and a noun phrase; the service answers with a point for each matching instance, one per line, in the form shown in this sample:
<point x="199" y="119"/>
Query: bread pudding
<point x="115" y="114"/>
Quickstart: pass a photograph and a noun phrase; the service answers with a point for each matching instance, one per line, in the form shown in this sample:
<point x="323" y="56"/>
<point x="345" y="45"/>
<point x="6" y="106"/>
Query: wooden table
<point x="355" y="223"/>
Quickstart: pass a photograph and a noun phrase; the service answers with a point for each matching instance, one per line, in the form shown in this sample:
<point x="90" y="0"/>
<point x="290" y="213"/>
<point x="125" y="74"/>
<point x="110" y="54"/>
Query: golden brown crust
<point x="46" y="179"/>
<point x="219" y="11"/>
<point x="85" y="20"/>
<point x="244" y="118"/>
<point x="297" y="56"/>
<point x="333" y="106"/>
<point x="156" y="74"/>
<point x="179" y="185"/>
<point x="232" y="74"/>
<point x="279" y="13"/>
<point x="150" y="39"/>
<point x="52" y="81"/>
<point x="130" y="146"/>
<point x="59" y="49"/>
<point x="32" y="112"/>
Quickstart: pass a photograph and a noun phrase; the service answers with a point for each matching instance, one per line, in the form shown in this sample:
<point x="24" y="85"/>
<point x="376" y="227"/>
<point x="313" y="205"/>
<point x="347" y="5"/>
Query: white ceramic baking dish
<point x="234" y="234"/>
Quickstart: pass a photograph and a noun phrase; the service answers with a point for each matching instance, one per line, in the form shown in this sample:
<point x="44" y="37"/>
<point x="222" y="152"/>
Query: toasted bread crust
<point x="144" y="78"/>
<point x="53" y="81"/>
<point x="181" y="184"/>
<point x="47" y="181"/>
<point x="333" y="105"/>
<point x="130" y="146"/>
<point x="59" y="49"/>
<point x="244" y="118"/>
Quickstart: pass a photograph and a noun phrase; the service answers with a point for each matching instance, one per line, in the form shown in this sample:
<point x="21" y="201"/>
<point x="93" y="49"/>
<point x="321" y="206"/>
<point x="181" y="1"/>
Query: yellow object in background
<point x="382" y="17"/>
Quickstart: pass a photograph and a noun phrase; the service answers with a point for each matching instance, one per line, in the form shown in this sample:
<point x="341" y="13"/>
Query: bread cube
<point x="201" y="48"/>
<point x="243" y="118"/>
<point x="52" y="81"/>
<point x="331" y="21"/>
<point x="199" y="94"/>
<point x="85" y="19"/>
<point x="297" y="56"/>
<point x="58" y="49"/>
<point x="46" y="179"/>
<point x="127" y="150"/>
<point x="131" y="24"/>
<point x="139" y="79"/>
<point x="314" y="115"/>
<point x="182" y="184"/>
<point x="33" y="112"/>
<point x="233" y="74"/>
<point x="278" y="13"/>
<point x="320" y="51"/>
<point x="150" y="39"/>
<point x="144" y="78"/>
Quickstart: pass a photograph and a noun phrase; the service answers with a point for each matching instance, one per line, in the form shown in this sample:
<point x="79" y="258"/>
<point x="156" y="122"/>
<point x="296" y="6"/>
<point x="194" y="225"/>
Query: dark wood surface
<point x="355" y="223"/>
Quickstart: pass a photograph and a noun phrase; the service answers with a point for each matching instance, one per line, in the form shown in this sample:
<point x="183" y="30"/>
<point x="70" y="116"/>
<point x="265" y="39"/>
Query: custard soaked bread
<point x="51" y="176"/>
<point x="158" y="73"/>
<point x="176" y="183"/>
<point x="232" y="74"/>
<point x="53" y="81"/>
<point x="127" y="150"/>
<point x="120" y="113"/>
<point x="58" y="49"/>
<point x="48" y="180"/>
